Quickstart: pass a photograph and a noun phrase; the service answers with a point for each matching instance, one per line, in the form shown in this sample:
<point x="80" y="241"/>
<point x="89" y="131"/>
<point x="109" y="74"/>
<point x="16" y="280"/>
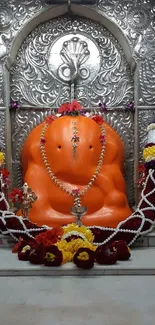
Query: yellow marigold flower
<point x="75" y="244"/>
<point x="149" y="151"/>
<point x="87" y="245"/>
<point x="66" y="250"/>
<point x="63" y="245"/>
<point x="79" y="229"/>
<point x="84" y="256"/>
<point x="1" y="158"/>
<point x="67" y="257"/>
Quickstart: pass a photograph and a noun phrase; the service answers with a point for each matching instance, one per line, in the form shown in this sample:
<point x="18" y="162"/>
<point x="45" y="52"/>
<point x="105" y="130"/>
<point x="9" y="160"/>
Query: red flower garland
<point x="70" y="107"/>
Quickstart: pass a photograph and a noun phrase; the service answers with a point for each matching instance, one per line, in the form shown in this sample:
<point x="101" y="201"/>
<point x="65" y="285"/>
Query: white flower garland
<point x="75" y="233"/>
<point x="139" y="213"/>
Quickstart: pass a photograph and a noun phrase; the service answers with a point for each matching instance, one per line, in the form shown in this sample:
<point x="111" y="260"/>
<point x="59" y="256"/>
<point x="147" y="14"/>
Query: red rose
<point x="84" y="258"/>
<point x="37" y="255"/>
<point x="141" y="168"/>
<point x="53" y="256"/>
<point x="42" y="140"/>
<point x="100" y="235"/>
<point x="49" y="119"/>
<point x="5" y="172"/>
<point x="75" y="106"/>
<point x="105" y="254"/>
<point x="98" y="119"/>
<point x="102" y="138"/>
<point x="23" y="254"/>
<point x="123" y="252"/>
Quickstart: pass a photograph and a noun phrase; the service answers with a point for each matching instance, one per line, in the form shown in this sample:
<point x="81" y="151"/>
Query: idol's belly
<point x="93" y="199"/>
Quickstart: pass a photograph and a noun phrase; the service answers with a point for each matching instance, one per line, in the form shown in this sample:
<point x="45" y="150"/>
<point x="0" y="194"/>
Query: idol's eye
<point x="90" y="147"/>
<point x="59" y="147"/>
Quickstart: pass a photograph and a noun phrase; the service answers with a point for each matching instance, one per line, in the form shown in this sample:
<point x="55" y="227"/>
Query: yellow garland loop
<point x="86" y="232"/>
<point x="149" y="151"/>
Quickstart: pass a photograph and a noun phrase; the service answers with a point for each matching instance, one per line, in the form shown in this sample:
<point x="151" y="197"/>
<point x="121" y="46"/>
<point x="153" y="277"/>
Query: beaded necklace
<point x="77" y="209"/>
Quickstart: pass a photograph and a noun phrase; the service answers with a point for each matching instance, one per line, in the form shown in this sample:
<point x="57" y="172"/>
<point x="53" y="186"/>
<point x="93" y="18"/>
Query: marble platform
<point x="110" y="300"/>
<point x="147" y="240"/>
<point x="141" y="263"/>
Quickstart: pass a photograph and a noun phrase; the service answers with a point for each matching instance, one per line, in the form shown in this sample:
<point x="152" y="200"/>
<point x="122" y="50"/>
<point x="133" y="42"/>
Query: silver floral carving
<point x="3" y="48"/>
<point x="1" y="87"/>
<point x="33" y="82"/>
<point x="2" y="133"/>
<point x="22" y="123"/>
<point x="145" y="118"/>
<point x="14" y="14"/>
<point x="147" y="82"/>
<point x="132" y="16"/>
<point x="6" y="17"/>
<point x="138" y="18"/>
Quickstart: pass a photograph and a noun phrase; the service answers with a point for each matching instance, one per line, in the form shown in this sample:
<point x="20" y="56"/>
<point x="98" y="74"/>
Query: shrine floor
<point x="111" y="300"/>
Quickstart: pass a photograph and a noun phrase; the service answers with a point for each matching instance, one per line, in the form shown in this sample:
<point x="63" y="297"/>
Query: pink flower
<point x="102" y="138"/>
<point x="43" y="140"/>
<point x="75" y="191"/>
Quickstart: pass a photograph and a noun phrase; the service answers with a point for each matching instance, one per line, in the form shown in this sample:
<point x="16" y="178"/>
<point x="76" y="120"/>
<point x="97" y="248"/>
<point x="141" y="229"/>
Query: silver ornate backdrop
<point x="44" y="49"/>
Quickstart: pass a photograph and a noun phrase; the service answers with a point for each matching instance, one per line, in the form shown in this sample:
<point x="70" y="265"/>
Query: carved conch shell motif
<point x="74" y="54"/>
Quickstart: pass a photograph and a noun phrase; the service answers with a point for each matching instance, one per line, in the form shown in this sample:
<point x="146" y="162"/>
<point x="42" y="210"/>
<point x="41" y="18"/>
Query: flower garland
<point x="50" y="249"/>
<point x="76" y="231"/>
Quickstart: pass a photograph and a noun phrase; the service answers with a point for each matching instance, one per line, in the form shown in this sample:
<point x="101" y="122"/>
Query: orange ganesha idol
<point x="75" y="161"/>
